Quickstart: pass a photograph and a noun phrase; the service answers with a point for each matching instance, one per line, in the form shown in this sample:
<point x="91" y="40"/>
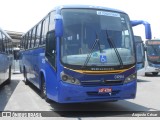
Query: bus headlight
<point x="130" y="78"/>
<point x="68" y="79"/>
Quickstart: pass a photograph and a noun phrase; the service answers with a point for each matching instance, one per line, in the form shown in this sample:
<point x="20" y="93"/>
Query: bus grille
<point x="100" y="83"/>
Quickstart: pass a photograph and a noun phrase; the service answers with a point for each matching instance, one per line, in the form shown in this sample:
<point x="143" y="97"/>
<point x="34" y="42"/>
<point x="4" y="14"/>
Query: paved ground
<point x="19" y="97"/>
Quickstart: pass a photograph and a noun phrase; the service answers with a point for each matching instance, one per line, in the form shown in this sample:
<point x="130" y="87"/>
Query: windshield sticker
<point x="95" y="55"/>
<point x="108" y="14"/>
<point x="103" y="58"/>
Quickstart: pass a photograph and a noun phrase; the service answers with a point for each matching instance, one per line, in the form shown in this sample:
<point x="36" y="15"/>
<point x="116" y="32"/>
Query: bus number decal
<point x="43" y="61"/>
<point x="119" y="77"/>
<point x="108" y="14"/>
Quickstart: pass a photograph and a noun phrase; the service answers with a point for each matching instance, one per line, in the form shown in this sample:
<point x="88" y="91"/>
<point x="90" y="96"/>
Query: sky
<point x="21" y="15"/>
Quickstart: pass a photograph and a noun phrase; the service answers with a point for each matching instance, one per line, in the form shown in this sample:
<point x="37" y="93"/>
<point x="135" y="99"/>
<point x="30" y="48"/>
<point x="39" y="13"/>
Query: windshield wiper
<point x="111" y="43"/>
<point x="96" y="42"/>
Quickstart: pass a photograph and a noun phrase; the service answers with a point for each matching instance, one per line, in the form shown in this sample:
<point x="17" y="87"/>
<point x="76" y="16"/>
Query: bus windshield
<point x="153" y="51"/>
<point x="102" y="36"/>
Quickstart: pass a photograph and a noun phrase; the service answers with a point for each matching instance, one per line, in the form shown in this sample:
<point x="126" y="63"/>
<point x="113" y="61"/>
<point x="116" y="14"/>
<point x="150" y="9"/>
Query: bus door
<point x="50" y="67"/>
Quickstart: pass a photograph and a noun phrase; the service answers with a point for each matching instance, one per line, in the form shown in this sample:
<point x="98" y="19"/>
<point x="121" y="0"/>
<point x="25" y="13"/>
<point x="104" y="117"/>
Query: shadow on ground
<point x="6" y="92"/>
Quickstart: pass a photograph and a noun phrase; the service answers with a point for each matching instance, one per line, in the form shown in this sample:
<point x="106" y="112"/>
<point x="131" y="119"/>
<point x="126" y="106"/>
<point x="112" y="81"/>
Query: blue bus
<point x="140" y="47"/>
<point x="6" y="57"/>
<point x="140" y="53"/>
<point x="81" y="54"/>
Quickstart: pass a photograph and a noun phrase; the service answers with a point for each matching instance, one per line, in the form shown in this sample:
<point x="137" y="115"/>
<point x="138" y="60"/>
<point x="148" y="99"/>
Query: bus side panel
<point x="40" y="64"/>
<point x="3" y="68"/>
<point x="7" y="64"/>
<point x="51" y="82"/>
<point x="32" y="67"/>
<point x="33" y="62"/>
<point x="38" y="56"/>
<point x="28" y="63"/>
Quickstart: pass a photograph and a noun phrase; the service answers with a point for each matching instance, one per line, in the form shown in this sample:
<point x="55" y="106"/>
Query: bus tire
<point x="43" y="89"/>
<point x="146" y="74"/>
<point x="25" y="77"/>
<point x="9" y="76"/>
<point x="155" y="73"/>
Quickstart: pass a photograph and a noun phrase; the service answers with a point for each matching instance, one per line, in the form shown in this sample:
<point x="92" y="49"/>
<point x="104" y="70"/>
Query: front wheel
<point x="25" y="77"/>
<point x="154" y="73"/>
<point x="43" y="90"/>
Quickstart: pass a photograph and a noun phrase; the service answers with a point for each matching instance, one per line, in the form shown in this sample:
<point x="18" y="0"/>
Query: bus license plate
<point x="104" y="90"/>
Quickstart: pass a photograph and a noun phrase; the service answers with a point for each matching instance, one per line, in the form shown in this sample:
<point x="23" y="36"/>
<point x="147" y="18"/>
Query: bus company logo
<point x="118" y="76"/>
<point x="6" y="114"/>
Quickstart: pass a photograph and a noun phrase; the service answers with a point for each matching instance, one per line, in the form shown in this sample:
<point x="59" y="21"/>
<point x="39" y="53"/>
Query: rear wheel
<point x="43" y="89"/>
<point x="25" y="77"/>
<point x="146" y="74"/>
<point x="154" y="73"/>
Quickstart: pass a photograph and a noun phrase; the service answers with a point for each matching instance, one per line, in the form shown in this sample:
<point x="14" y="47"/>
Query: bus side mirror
<point x="58" y="28"/>
<point x="148" y="31"/>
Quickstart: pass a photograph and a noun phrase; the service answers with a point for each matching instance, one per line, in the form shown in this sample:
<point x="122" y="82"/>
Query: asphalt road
<point x="20" y="97"/>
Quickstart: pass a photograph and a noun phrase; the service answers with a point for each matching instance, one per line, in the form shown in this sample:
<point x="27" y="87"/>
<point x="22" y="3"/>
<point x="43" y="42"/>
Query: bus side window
<point x="51" y="48"/>
<point x="38" y="35"/>
<point x="3" y="43"/>
<point x="45" y="30"/>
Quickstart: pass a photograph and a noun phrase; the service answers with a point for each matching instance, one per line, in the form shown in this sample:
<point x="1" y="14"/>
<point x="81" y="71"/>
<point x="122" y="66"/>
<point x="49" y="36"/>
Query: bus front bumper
<point x="69" y="93"/>
<point x="152" y="69"/>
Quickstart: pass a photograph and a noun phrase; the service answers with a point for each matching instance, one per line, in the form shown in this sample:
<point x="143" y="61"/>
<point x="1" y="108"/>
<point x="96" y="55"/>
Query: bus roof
<point x="87" y="7"/>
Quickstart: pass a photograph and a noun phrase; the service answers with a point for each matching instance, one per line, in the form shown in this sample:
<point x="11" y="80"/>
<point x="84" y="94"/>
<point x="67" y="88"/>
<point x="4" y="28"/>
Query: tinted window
<point x="38" y="35"/>
<point x="33" y="37"/>
<point x="44" y="30"/>
<point x="52" y="22"/>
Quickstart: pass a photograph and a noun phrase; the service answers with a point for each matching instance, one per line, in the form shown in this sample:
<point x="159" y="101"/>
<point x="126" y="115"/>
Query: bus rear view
<point x="89" y="56"/>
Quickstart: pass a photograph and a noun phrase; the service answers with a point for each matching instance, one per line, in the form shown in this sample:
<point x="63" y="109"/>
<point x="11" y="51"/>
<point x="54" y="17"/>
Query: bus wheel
<point x="43" y="89"/>
<point x="154" y="73"/>
<point x="146" y="74"/>
<point x="9" y="78"/>
<point x="25" y="77"/>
